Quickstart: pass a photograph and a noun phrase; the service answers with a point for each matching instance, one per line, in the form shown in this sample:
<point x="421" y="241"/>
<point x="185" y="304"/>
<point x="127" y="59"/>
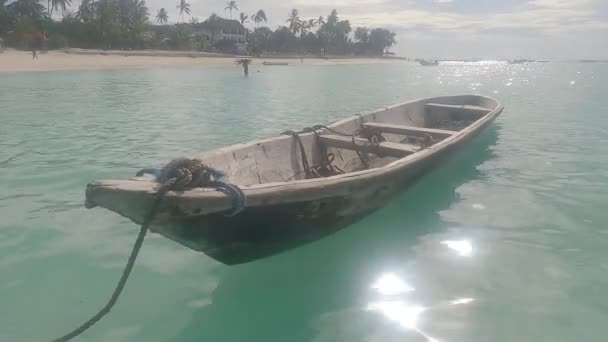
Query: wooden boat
<point x="275" y="63"/>
<point x="285" y="207"/>
<point x="519" y="61"/>
<point x="425" y="62"/>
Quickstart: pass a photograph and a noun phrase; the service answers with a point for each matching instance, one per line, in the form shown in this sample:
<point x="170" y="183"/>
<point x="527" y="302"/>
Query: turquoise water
<point x="506" y="242"/>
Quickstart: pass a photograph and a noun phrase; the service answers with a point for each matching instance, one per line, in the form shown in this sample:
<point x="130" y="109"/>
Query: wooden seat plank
<point x="463" y="108"/>
<point x="409" y="130"/>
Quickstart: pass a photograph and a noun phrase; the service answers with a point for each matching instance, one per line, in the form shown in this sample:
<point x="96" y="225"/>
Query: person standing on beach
<point x="37" y="43"/>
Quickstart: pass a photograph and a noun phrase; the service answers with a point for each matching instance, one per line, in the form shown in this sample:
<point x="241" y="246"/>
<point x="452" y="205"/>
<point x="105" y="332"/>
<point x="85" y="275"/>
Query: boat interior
<point x="357" y="143"/>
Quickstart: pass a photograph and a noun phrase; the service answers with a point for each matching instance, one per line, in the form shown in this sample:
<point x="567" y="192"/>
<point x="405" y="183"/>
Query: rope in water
<point x="125" y="274"/>
<point x="179" y="174"/>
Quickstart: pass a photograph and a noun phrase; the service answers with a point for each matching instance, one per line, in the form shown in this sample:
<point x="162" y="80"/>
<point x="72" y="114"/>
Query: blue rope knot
<point x="185" y="174"/>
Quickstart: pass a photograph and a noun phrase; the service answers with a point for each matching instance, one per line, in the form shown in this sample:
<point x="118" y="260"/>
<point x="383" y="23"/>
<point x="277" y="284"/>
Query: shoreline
<point x="17" y="61"/>
<point x="202" y="54"/>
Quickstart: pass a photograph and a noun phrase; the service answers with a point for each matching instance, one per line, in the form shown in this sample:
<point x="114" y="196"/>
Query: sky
<point x="541" y="29"/>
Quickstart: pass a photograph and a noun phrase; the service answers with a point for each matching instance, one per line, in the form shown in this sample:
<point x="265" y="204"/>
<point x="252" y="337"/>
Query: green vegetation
<point x="126" y="24"/>
<point x="332" y="36"/>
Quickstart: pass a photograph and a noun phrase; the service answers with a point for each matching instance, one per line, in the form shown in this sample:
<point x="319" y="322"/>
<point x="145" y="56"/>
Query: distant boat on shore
<point x="593" y="61"/>
<point x="520" y="61"/>
<point x="425" y="62"/>
<point x="275" y="63"/>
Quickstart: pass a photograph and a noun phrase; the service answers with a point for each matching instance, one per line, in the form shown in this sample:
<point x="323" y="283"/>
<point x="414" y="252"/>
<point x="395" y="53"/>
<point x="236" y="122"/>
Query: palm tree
<point x="304" y="26"/>
<point x="231" y="5"/>
<point x="162" y="16"/>
<point x="294" y="21"/>
<point x="63" y="4"/>
<point x="183" y="7"/>
<point x="259" y="17"/>
<point x="86" y="11"/>
<point x="245" y="63"/>
<point x="332" y="19"/>
<point x="244" y="18"/>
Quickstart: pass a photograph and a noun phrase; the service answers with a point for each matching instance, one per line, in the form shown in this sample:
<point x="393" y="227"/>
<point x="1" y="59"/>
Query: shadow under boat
<point x="251" y="301"/>
<point x="260" y="232"/>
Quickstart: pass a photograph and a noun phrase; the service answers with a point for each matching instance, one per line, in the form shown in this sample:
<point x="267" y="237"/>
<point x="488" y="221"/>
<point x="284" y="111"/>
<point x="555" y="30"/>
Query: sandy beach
<point x="76" y="59"/>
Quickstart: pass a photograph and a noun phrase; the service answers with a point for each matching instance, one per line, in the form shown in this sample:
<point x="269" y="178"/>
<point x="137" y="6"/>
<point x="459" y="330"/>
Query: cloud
<point x="337" y="3"/>
<point x="561" y="3"/>
<point x="543" y="28"/>
<point x="549" y="17"/>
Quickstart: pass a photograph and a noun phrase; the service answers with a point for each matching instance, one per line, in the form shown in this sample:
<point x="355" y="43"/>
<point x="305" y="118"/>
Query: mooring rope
<point x="179" y="174"/>
<point x="326" y="168"/>
<point x="125" y="274"/>
<point x="303" y="156"/>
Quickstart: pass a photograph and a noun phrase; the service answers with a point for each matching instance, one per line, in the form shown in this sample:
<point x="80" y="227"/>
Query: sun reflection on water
<point x="397" y="309"/>
<point x="462" y="301"/>
<point x="462" y="247"/>
<point x="390" y="284"/>
<point x="395" y="303"/>
<point x="406" y="315"/>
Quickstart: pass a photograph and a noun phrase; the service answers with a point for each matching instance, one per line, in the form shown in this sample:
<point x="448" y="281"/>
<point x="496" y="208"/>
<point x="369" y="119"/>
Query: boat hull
<point x="428" y="63"/>
<point x="259" y="232"/>
<point x="285" y="209"/>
